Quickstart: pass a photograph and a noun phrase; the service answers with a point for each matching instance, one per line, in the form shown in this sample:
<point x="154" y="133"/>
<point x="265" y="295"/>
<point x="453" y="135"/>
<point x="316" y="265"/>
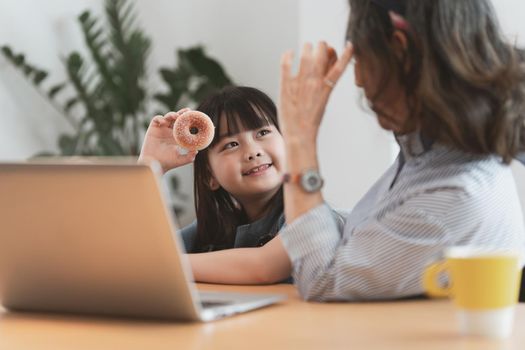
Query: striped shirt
<point x="431" y="198"/>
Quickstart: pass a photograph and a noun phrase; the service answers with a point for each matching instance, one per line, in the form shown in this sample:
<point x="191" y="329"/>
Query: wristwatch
<point x="310" y="180"/>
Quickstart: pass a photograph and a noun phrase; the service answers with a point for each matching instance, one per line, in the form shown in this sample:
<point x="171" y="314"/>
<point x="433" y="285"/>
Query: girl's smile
<point x="257" y="170"/>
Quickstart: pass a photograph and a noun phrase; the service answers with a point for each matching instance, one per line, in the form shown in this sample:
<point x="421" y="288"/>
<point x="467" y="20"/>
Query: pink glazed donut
<point x="193" y="130"/>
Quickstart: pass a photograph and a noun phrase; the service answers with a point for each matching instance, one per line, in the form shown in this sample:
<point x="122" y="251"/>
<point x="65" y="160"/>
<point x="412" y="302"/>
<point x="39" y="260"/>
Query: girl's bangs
<point x="242" y="108"/>
<point x="244" y="114"/>
<point x="248" y="118"/>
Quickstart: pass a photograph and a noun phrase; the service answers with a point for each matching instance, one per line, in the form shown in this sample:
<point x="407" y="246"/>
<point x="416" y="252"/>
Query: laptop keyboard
<point x="208" y="304"/>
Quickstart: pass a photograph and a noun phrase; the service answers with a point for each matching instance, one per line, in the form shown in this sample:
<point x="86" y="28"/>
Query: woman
<point x="439" y="75"/>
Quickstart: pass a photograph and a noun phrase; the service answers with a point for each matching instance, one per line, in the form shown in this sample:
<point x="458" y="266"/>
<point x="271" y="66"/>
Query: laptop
<point x="98" y="238"/>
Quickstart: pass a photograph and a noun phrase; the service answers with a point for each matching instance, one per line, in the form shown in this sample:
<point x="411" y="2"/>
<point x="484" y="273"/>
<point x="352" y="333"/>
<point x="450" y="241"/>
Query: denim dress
<point x="256" y="234"/>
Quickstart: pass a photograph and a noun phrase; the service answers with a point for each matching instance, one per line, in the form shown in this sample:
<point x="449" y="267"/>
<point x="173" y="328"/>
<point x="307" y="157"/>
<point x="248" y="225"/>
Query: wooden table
<point x="293" y="324"/>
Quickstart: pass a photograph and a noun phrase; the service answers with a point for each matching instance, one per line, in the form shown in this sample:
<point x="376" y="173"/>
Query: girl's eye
<point x="230" y="145"/>
<point x="263" y="132"/>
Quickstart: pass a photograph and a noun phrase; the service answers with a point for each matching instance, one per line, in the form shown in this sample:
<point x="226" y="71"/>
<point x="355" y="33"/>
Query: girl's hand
<point x="303" y="97"/>
<point x="159" y="143"/>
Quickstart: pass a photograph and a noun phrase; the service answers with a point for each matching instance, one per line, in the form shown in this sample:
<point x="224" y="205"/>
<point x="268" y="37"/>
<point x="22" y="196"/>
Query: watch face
<point x="311" y="181"/>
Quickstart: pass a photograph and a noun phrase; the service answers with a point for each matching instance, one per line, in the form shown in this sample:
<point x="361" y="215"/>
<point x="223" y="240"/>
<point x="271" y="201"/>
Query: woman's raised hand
<point x="303" y="97"/>
<point x="159" y="143"/>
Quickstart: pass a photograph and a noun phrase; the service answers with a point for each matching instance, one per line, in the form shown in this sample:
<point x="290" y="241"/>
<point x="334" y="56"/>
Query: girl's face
<point x="391" y="105"/>
<point x="248" y="164"/>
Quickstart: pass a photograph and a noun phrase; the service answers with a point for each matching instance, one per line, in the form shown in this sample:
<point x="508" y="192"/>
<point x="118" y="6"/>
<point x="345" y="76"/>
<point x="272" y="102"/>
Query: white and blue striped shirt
<point x="431" y="198"/>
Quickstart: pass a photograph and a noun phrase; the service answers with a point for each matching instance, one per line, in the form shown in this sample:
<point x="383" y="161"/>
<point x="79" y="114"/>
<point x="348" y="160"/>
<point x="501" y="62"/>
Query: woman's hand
<point x="304" y="97"/>
<point x="159" y="143"/>
<point x="301" y="107"/>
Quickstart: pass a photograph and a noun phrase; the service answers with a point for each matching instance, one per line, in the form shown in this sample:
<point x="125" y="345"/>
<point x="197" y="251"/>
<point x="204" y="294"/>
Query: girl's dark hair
<point x="218" y="214"/>
<point x="464" y="83"/>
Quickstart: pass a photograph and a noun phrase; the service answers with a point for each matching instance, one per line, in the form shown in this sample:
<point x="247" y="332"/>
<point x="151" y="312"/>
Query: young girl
<point x="237" y="179"/>
<point x="441" y="77"/>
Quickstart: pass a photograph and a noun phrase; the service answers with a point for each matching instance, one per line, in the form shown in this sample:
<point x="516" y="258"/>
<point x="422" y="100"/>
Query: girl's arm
<point x="262" y="265"/>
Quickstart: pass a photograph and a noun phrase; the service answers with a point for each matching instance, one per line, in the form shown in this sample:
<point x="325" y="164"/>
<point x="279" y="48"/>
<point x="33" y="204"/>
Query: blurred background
<point x="233" y="40"/>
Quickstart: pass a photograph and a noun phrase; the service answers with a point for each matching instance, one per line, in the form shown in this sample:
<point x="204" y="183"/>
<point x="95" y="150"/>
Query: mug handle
<point x="430" y="284"/>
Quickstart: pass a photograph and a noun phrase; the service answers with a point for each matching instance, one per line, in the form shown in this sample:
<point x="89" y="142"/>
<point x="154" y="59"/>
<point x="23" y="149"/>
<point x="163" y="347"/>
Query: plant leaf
<point x="203" y="90"/>
<point x="19" y="59"/>
<point x="207" y="66"/>
<point x="108" y="145"/>
<point x="67" y="145"/>
<point x="129" y="50"/>
<point x="43" y="154"/>
<point x="84" y="16"/>
<point x="28" y="70"/>
<point x="39" y="76"/>
<point x="8" y="52"/>
<point x="56" y="89"/>
<point x="70" y="103"/>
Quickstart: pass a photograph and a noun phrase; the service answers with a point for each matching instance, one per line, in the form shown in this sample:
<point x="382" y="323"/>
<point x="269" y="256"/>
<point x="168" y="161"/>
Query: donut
<point x="193" y="130"/>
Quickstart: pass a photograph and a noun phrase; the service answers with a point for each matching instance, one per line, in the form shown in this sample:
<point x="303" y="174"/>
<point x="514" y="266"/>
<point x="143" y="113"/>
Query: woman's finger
<point x="321" y="58"/>
<point x="286" y="72"/>
<point x="306" y="65"/>
<point x="286" y="65"/>
<point x="332" y="58"/>
<point x="340" y="65"/>
<point x="326" y="57"/>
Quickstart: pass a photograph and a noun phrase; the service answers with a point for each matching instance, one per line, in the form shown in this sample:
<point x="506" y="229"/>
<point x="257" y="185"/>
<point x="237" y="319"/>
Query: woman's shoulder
<point x="454" y="169"/>
<point x="446" y="182"/>
<point x="467" y="192"/>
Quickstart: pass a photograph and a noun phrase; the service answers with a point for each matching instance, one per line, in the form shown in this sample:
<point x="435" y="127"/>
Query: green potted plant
<point x="105" y="97"/>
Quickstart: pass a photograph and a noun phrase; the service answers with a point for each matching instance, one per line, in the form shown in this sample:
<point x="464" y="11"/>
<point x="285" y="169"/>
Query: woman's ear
<point x="399" y="38"/>
<point x="399" y="43"/>
<point x="214" y="185"/>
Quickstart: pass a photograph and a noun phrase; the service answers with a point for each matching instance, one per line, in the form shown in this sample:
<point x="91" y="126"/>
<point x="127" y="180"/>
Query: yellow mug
<point x="483" y="283"/>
